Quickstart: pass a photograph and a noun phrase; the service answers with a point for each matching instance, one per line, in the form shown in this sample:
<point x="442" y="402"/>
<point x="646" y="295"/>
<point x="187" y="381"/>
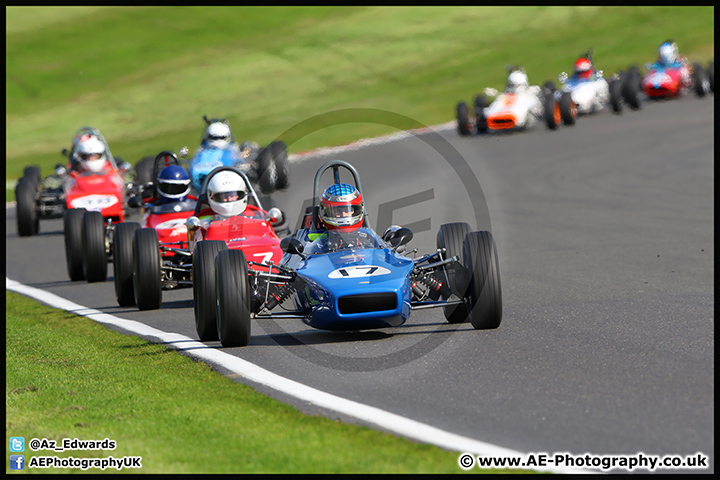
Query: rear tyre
<point x="484" y="293"/>
<point x="450" y="237"/>
<point x="147" y="285"/>
<point x="28" y="220"/>
<point x="568" y="109"/>
<point x="93" y="247"/>
<point x="204" y="298"/>
<point x="631" y="88"/>
<point x="280" y="158"/>
<point x="480" y="118"/>
<point x="233" y="298"/>
<point x="551" y="111"/>
<point x="123" y="263"/>
<point x="72" y="224"/>
<point x="549" y="86"/>
<point x="463" y="119"/>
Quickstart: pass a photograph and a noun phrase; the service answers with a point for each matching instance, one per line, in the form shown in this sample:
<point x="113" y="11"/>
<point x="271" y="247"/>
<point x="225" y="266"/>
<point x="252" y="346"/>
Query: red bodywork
<point x="666" y="82"/>
<point x="102" y="192"/>
<point x="249" y="232"/>
<point x="170" y="227"/>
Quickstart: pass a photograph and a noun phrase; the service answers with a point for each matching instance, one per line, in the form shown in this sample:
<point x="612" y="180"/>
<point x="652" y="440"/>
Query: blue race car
<point x="338" y="274"/>
<point x="266" y="167"/>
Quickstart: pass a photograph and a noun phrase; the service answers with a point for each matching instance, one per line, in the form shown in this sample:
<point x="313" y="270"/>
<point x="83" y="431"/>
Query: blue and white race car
<point x="266" y="167"/>
<point x="339" y="280"/>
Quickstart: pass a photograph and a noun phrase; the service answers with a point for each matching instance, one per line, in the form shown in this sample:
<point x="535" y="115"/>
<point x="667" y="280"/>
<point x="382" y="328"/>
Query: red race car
<point x="228" y="212"/>
<point x="670" y="76"/>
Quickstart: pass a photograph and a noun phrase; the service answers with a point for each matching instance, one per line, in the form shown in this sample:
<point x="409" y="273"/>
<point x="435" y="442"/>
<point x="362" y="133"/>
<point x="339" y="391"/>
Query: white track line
<point x="389" y="421"/>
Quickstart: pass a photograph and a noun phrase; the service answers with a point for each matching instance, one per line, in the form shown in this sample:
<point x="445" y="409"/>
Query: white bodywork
<point x="525" y="106"/>
<point x="588" y="95"/>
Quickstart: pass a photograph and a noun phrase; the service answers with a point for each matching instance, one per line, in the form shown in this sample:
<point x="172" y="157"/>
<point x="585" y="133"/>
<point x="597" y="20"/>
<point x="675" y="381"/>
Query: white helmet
<point x="91" y="154"/>
<point x="217" y="135"/>
<point x="516" y="79"/>
<point x="668" y="52"/>
<point x="227" y="194"/>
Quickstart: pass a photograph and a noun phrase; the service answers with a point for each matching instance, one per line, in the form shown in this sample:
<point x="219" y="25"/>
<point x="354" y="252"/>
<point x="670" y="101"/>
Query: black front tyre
<point x="33" y="171"/>
<point x="568" y="109"/>
<point x="204" y="297"/>
<point x="480" y="118"/>
<point x="266" y="171"/>
<point x="632" y="88"/>
<point x="615" y="87"/>
<point x="72" y="225"/>
<point x="123" y="262"/>
<point x="147" y="284"/>
<point x="463" y="119"/>
<point x="233" y="298"/>
<point x="711" y="75"/>
<point x="450" y="237"/>
<point x="28" y="220"/>
<point x="484" y="292"/>
<point x="701" y="84"/>
<point x="94" y="257"/>
<point x="551" y="111"/>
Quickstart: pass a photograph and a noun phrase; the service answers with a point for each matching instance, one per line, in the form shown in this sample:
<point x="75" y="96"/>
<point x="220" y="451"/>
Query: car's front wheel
<point x="463" y="118"/>
<point x="72" y="226"/>
<point x="568" y="109"/>
<point x="123" y="262"/>
<point x="204" y="298"/>
<point x="233" y="298"/>
<point x="147" y="284"/>
<point x="484" y="292"/>
<point x="93" y="247"/>
<point x="450" y="237"/>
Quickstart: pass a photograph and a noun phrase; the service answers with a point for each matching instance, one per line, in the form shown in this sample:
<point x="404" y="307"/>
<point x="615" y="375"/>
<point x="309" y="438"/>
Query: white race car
<point x="519" y="107"/>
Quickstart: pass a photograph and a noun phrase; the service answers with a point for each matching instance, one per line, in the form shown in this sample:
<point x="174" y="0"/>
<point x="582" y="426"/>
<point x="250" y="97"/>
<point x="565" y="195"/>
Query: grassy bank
<point x="146" y="75"/>
<point x="69" y="377"/>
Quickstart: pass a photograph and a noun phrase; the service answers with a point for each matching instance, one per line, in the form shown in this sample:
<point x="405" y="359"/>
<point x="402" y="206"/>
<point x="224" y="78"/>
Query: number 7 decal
<point x="267" y="255"/>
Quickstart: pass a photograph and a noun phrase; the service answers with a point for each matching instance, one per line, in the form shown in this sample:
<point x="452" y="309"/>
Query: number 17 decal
<point x="358" y="271"/>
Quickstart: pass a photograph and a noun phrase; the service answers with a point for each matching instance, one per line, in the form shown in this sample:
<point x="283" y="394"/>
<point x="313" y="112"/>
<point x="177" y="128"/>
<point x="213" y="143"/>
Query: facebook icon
<point x="17" y="462"/>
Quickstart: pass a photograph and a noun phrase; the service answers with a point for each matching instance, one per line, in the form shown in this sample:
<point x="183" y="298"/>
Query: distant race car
<point x="45" y="198"/>
<point x="336" y="280"/>
<point x="265" y="167"/>
<point x="666" y="82"/>
<point x="519" y="107"/>
<point x="168" y="221"/>
<point x="586" y="91"/>
<point x="157" y="265"/>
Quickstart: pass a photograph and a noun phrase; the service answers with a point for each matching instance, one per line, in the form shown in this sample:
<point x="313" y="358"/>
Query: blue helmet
<point x="173" y="184"/>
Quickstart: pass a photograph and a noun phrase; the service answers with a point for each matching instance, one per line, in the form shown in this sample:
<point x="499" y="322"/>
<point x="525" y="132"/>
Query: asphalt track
<point x="605" y="238"/>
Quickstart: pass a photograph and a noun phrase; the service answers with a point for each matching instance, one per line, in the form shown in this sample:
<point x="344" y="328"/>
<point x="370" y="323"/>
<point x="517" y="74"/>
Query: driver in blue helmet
<point x="173" y="190"/>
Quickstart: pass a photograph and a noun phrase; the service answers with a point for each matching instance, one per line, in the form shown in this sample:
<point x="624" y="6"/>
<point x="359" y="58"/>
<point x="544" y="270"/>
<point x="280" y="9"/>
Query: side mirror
<point x="648" y="65"/>
<point x="124" y="166"/>
<point x="599" y="73"/>
<point x="400" y="237"/>
<point x="390" y="231"/>
<point x="64" y="152"/>
<point x="292" y="246"/>
<point x="183" y="152"/>
<point x="135" y="202"/>
<point x="562" y="77"/>
<point x="274" y="216"/>
<point x="60" y="170"/>
<point x="192" y="223"/>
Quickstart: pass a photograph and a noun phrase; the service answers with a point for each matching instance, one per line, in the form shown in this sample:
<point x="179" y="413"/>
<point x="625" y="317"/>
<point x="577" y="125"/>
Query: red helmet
<point x="583" y="67"/>
<point x="342" y="207"/>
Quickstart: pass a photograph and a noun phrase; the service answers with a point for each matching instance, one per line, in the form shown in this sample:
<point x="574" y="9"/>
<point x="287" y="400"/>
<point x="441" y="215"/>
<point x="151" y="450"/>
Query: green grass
<point x="146" y="75"/>
<point x="69" y="377"/>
